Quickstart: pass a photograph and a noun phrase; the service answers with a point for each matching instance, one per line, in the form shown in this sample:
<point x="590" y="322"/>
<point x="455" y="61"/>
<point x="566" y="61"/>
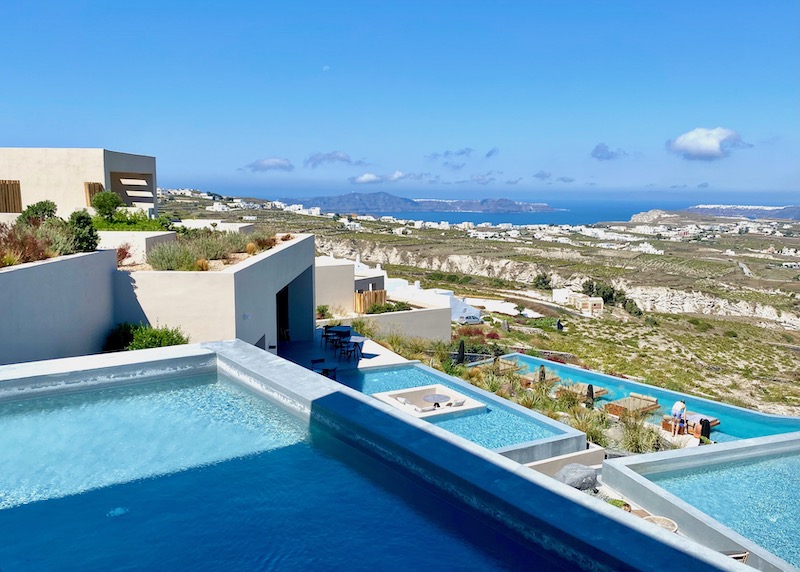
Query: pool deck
<point x="373" y="354"/>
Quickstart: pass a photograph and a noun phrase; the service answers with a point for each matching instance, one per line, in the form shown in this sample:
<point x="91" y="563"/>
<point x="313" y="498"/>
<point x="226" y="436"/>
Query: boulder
<point x="578" y="476"/>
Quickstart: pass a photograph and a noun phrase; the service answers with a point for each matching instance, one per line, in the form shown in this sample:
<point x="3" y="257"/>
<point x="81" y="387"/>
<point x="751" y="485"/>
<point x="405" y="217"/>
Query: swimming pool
<point x="754" y="497"/>
<point x="495" y="427"/>
<point x="735" y="422"/>
<point x="266" y="465"/>
<point x="199" y="473"/>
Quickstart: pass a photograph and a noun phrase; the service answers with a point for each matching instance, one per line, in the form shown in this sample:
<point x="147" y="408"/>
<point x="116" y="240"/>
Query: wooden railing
<point x="363" y="300"/>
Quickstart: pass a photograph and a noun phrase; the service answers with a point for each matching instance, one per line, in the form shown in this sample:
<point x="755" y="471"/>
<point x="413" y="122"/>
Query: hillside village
<point x="275" y="293"/>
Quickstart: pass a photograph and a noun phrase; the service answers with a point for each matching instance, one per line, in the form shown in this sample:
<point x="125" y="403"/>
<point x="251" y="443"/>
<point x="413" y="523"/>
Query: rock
<point x="578" y="476"/>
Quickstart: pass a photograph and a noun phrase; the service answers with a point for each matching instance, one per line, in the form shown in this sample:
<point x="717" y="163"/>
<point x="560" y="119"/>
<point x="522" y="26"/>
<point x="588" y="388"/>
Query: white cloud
<point x="365" y="179"/>
<point x="318" y="159"/>
<point x="706" y="144"/>
<point x="271" y="164"/>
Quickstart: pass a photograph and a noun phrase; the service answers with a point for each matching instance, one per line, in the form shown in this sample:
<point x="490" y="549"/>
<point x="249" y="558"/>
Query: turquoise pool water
<point x="757" y="498"/>
<point x="735" y="422"/>
<point x="496" y="427"/>
<point x="200" y="474"/>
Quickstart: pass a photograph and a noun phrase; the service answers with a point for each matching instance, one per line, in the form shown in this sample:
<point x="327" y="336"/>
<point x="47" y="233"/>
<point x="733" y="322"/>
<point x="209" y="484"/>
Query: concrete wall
<point x="629" y="476"/>
<point x="240" y="227"/>
<point x="334" y="283"/>
<point x="258" y="281"/>
<point x="426" y="323"/>
<point x="201" y="304"/>
<point x="59" y="174"/>
<point x="238" y="302"/>
<point x="592" y="456"/>
<point x="140" y="242"/>
<point x="56" y="308"/>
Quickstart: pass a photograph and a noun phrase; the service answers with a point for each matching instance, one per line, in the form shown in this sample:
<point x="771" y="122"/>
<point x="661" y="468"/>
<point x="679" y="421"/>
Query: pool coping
<point x="567" y="439"/>
<point x="587" y="531"/>
<point x="628" y="476"/>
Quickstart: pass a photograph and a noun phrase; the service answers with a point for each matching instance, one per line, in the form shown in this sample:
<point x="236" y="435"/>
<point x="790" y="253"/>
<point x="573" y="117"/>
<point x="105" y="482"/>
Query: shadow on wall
<point x="126" y="305"/>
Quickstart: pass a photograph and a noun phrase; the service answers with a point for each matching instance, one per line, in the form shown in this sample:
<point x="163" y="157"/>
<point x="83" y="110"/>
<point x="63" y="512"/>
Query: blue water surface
<point x="751" y="497"/>
<point x="735" y="422"/>
<point x="297" y="500"/>
<point x="496" y="427"/>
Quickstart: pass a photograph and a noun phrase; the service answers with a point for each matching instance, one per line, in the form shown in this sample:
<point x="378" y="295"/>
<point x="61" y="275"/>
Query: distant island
<point x="369" y="203"/>
<point x="748" y="211"/>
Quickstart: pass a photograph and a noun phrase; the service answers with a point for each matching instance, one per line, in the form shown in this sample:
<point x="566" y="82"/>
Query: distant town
<point x="631" y="236"/>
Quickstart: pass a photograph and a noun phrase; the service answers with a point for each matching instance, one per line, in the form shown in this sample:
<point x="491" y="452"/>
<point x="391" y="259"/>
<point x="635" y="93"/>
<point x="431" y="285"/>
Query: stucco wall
<point x="334" y="284"/>
<point x="59" y="174"/>
<point x="240" y="227"/>
<point x="427" y="323"/>
<point x="56" y="308"/>
<point x="238" y="302"/>
<point x="201" y="304"/>
<point x="140" y="242"/>
<point x="258" y="281"/>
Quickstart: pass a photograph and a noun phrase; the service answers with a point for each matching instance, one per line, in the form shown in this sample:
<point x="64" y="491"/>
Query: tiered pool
<point x="495" y="427"/>
<point x="750" y="496"/>
<point x="735" y="422"/>
<point x="199" y="473"/>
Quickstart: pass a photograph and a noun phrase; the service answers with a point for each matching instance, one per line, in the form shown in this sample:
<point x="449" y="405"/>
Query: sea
<point x="572" y="213"/>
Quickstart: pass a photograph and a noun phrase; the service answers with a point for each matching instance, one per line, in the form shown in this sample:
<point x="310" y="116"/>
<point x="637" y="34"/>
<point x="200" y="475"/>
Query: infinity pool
<point x="496" y="427"/>
<point x="735" y="422"/>
<point x="755" y="497"/>
<point x="201" y="474"/>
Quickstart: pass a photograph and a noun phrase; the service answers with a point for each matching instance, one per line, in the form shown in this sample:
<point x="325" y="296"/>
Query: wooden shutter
<point x="91" y="190"/>
<point x="10" y="197"/>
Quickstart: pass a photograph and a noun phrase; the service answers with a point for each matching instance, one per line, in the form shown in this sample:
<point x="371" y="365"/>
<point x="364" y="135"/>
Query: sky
<point x="529" y="100"/>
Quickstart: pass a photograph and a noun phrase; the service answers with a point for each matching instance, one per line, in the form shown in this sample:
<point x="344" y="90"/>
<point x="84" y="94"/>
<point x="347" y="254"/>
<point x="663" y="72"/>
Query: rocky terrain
<point x="649" y="298"/>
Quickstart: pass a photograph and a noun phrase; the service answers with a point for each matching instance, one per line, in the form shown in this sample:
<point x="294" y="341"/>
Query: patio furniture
<point x="582" y="389"/>
<point x="353" y="346"/>
<point x="634" y="403"/>
<point x="663" y="522"/>
<point x="319" y="365"/>
<point x="738" y="555"/>
<point x="436" y="398"/>
<point x="327" y="336"/>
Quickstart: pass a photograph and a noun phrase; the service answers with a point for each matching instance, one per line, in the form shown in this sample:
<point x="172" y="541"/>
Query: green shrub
<point x="37" y="212"/>
<point x="171" y="256"/>
<point x="366" y="328"/>
<point x="106" y="204"/>
<point x="542" y="282"/>
<point x="57" y="234"/>
<point x="323" y="312"/>
<point x="149" y="337"/>
<point x="388" y="307"/>
<point x="126" y="336"/>
<point x="235" y="241"/>
<point x="730" y="334"/>
<point x="119" y="338"/>
<point x="136" y="220"/>
<point x="210" y="248"/>
<point x="84" y="235"/>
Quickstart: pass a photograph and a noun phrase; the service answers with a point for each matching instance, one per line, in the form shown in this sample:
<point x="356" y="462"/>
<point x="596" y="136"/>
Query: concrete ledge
<point x="34" y="379"/>
<point x="592" y="456"/>
<point x="627" y="475"/>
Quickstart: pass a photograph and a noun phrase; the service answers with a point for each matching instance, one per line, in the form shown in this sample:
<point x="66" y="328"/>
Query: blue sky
<point x="526" y="100"/>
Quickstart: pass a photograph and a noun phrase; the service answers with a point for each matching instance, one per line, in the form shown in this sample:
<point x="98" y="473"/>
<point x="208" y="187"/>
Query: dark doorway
<point x="282" y="309"/>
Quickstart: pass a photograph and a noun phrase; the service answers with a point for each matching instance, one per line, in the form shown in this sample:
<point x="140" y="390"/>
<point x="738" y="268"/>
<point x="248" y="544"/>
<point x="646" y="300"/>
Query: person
<point x="678" y="416"/>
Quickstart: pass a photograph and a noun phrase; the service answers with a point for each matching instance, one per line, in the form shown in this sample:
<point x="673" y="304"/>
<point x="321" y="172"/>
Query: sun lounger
<point x="634" y="403"/>
<point x="693" y="417"/>
<point x="582" y="389"/>
<point x="738" y="555"/>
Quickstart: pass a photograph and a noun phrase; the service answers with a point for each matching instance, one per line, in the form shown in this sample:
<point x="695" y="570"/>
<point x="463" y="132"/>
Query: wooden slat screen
<point x="10" y="197"/>
<point x="91" y="190"/>
<point x="363" y="300"/>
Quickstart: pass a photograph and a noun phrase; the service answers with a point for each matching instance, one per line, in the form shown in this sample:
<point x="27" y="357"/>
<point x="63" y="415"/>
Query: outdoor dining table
<point x="353" y="343"/>
<point x="436" y="398"/>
